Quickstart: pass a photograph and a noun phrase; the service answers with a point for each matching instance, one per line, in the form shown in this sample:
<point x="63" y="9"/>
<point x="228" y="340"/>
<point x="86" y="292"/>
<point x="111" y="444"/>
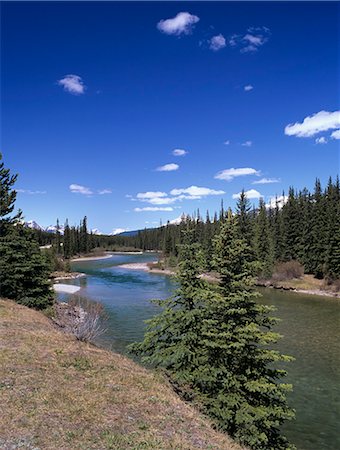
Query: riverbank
<point x="60" y="275"/>
<point x="92" y="258"/>
<point x="59" y="393"/>
<point x="306" y="285"/>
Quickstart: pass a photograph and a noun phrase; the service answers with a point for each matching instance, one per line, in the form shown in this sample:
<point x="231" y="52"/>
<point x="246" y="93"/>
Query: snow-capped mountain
<point x="96" y="231"/>
<point x="53" y="229"/>
<point x="33" y="225"/>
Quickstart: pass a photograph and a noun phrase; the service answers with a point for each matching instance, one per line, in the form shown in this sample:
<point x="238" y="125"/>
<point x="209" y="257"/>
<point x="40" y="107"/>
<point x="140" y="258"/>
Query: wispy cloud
<point x="30" y="192"/>
<point x="252" y="40"/>
<point x="251" y="194"/>
<point x="196" y="191"/>
<point x="176" y="195"/>
<point x="230" y="174"/>
<point x="227" y="142"/>
<point x="179" y="152"/>
<point x="182" y="23"/>
<point x="168" y="167"/>
<point x="267" y="181"/>
<point x="314" y="124"/>
<point x="248" y="87"/>
<point x="72" y="84"/>
<point x="153" y="208"/>
<point x="78" y="189"/>
<point x="321" y="140"/>
<point x="247" y="143"/>
<point x="150" y="194"/>
<point x="104" y="191"/>
<point x="217" y="42"/>
<point x="335" y="134"/>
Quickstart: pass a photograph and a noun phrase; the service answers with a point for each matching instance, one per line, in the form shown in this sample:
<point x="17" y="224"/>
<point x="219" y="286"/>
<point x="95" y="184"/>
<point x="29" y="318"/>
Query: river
<point x="309" y="325"/>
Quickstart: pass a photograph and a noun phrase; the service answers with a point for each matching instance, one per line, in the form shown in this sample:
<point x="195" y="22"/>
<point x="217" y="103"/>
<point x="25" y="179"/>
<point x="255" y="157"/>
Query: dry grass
<point x="306" y="282"/>
<point x="59" y="393"/>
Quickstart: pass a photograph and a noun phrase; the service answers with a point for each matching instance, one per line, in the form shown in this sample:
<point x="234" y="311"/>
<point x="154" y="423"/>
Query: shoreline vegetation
<point x="311" y="286"/>
<point x="85" y="396"/>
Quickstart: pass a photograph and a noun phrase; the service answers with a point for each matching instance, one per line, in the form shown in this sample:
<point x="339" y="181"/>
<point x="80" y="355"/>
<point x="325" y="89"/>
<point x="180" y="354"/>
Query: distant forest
<point x="305" y="229"/>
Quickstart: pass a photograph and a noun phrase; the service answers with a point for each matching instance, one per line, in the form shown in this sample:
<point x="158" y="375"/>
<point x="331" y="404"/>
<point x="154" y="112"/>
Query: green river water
<point x="309" y="325"/>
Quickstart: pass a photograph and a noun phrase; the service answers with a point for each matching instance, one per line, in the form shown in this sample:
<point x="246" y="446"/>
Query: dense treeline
<point x="306" y="228"/>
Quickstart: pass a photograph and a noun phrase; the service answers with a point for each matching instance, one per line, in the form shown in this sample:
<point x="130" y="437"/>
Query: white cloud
<point x="247" y="144"/>
<point x="161" y="201"/>
<point x="118" y="231"/>
<point x="28" y="191"/>
<point x="335" y="134"/>
<point x="150" y="195"/>
<point x="151" y="208"/>
<point x="321" y="140"/>
<point x="72" y="84"/>
<point x="168" y="167"/>
<point x="226" y="142"/>
<point x="217" y="42"/>
<point x="195" y="192"/>
<point x="280" y="201"/>
<point x="190" y="193"/>
<point x="248" y="87"/>
<point x="252" y="193"/>
<point x="182" y="23"/>
<point x="179" y="152"/>
<point x="78" y="189"/>
<point x="252" y="40"/>
<point x="314" y="124"/>
<point x="230" y="174"/>
<point x="104" y="191"/>
<point x="267" y="181"/>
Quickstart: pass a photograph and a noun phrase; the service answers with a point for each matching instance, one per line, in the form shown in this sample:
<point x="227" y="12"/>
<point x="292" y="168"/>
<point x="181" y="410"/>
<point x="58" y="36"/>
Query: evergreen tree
<point x="172" y="337"/>
<point x="58" y="239"/>
<point x="67" y="241"/>
<point x="24" y="271"/>
<point x="243" y="211"/>
<point x="332" y="264"/>
<point x="263" y="241"/>
<point x="7" y="198"/>
<point x="84" y="241"/>
<point x="240" y="388"/>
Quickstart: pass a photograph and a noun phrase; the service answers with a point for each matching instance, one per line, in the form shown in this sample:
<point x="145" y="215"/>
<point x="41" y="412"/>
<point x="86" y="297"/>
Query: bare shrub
<point x="287" y="271"/>
<point x="81" y="317"/>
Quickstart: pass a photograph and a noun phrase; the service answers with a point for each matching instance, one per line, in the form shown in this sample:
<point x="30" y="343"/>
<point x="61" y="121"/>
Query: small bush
<point x="287" y="271"/>
<point x="81" y="317"/>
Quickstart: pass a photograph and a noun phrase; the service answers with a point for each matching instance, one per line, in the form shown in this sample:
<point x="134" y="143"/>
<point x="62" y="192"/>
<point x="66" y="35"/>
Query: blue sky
<point x="95" y="98"/>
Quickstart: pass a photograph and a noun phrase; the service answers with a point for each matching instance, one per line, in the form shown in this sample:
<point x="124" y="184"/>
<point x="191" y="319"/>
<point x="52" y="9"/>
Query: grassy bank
<point x="59" y="393"/>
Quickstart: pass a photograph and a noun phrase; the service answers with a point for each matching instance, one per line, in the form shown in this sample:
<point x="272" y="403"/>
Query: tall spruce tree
<point x="263" y="241"/>
<point x="243" y="212"/>
<point x="173" y="336"/>
<point x="241" y="390"/>
<point x="7" y="199"/>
